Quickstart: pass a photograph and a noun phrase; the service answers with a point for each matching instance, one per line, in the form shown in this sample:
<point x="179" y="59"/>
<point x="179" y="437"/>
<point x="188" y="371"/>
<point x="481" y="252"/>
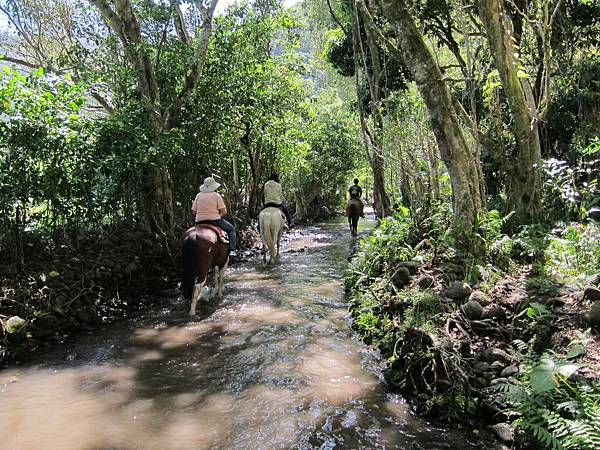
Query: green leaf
<point x="566" y="370"/>
<point x="575" y="352"/>
<point x="542" y="376"/>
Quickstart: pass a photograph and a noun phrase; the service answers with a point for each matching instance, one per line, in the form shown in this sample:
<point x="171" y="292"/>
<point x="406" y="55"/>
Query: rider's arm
<point x="221" y="206"/>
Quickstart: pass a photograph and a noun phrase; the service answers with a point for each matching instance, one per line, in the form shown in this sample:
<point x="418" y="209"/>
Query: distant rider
<point x="272" y="197"/>
<point x="209" y="207"/>
<point x="355" y="192"/>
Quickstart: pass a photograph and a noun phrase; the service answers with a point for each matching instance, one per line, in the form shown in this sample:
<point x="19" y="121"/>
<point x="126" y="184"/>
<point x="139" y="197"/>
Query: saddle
<point x="221" y="234"/>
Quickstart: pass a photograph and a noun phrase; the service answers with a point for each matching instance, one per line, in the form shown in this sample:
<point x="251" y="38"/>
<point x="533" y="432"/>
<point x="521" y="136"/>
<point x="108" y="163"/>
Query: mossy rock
<point x="14" y="325"/>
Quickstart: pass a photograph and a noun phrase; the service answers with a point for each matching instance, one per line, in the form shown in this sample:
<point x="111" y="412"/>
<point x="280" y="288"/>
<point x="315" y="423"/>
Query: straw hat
<point x="209" y="185"/>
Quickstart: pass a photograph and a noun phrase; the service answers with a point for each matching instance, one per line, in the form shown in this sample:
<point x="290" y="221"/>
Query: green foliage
<point x="574" y="250"/>
<point x="50" y="172"/>
<point x="553" y="411"/>
<point x="381" y="250"/>
<point x="578" y="187"/>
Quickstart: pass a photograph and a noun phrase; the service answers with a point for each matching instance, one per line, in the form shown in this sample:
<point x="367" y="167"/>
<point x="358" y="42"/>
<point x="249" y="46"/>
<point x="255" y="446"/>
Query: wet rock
<point x="472" y="310"/>
<point x="495" y="354"/>
<point x="496" y="381"/>
<point x="425" y="282"/>
<point x="509" y="371"/>
<point x="458" y="290"/>
<point x="479" y="297"/>
<point x="594" y="316"/>
<point x="401" y="277"/>
<point x="14" y="324"/>
<point x="481" y="367"/>
<point x="495" y="311"/>
<point x="412" y="266"/>
<point x="503" y="432"/>
<point x="591" y="293"/>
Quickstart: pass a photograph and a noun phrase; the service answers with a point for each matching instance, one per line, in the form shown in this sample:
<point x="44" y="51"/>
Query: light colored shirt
<point x="206" y="206"/>
<point x="272" y="192"/>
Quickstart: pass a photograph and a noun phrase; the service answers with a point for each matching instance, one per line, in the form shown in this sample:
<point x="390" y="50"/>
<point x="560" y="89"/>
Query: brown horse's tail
<point x="189" y="265"/>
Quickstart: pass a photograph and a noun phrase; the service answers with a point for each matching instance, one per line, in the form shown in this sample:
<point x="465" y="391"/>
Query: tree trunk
<point x="372" y="137"/>
<point x="523" y="187"/>
<point x="157" y="197"/>
<point x="300" y="207"/>
<point x="455" y="153"/>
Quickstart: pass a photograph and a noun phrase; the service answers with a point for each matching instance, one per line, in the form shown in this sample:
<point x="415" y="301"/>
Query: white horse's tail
<point x="270" y="224"/>
<point x="269" y="238"/>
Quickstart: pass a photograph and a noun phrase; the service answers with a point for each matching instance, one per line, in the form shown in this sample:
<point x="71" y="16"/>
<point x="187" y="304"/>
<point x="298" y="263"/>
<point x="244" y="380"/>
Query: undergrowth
<point x="552" y="409"/>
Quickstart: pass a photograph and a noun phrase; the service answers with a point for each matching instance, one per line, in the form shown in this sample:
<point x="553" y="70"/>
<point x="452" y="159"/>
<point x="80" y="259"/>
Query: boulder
<point x="131" y="267"/>
<point x="509" y="371"/>
<point x="452" y="268"/>
<point x="480" y="297"/>
<point x="412" y="266"/>
<point x="495" y="311"/>
<point x="472" y="310"/>
<point x="496" y="381"/>
<point x="481" y="367"/>
<point x="458" y="290"/>
<point x="594" y="316"/>
<point x="401" y="278"/>
<point x="591" y="293"/>
<point x="495" y="354"/>
<point x="14" y="324"/>
<point x="497" y="366"/>
<point x="503" y="432"/>
<point x="425" y="282"/>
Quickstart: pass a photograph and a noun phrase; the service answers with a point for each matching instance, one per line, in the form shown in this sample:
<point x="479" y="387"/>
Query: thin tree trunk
<point x="455" y="153"/>
<point x="524" y="175"/>
<point x="372" y="137"/>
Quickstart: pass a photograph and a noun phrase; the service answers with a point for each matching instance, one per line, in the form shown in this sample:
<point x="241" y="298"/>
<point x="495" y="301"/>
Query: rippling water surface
<point x="274" y="365"/>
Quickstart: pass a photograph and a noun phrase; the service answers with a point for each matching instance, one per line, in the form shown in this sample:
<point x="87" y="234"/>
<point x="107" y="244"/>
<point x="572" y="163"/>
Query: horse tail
<point x="269" y="231"/>
<point x="189" y="265"/>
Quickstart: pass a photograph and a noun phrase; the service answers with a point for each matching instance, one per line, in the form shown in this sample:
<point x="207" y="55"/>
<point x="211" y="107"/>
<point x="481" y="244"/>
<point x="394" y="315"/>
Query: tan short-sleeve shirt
<point x="206" y="206"/>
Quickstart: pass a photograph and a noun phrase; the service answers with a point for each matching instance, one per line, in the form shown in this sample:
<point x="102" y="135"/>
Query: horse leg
<point x="196" y="296"/>
<point x="216" y="279"/>
<point x="221" y="281"/>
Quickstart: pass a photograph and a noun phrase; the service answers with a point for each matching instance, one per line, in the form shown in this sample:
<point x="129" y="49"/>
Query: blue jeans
<point x="230" y="230"/>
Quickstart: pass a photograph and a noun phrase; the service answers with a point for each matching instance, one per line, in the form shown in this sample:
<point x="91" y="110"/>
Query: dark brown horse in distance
<point x="203" y="250"/>
<point x="354" y="209"/>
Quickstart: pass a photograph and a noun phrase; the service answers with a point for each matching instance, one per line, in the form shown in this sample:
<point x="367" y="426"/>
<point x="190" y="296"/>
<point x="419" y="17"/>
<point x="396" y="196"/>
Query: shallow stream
<point x="274" y="365"/>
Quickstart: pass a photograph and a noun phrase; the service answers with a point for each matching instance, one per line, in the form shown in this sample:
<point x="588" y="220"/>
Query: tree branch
<point x="191" y="79"/>
<point x="335" y="19"/>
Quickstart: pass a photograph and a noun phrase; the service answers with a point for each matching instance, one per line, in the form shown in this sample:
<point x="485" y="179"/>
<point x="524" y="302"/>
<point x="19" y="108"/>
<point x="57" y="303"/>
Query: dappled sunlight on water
<point x="335" y="372"/>
<point x="273" y="365"/>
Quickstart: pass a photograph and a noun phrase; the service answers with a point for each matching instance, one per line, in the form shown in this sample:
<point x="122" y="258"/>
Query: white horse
<point x="271" y="222"/>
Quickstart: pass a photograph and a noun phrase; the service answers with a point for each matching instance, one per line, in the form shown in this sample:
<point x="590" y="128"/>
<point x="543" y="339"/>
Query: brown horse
<point x="202" y="251"/>
<point x="354" y="209"/>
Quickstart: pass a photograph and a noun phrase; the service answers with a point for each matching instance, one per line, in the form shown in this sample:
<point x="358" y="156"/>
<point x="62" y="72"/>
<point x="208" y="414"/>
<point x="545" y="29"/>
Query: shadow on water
<point x="275" y="364"/>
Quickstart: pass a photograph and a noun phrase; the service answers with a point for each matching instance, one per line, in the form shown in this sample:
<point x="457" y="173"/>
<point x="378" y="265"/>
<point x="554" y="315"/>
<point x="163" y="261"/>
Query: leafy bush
<point x="578" y="187"/>
<point x="381" y="250"/>
<point x="574" y="250"/>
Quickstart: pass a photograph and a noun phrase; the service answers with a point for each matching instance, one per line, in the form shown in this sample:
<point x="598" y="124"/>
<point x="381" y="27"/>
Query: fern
<point x="562" y="415"/>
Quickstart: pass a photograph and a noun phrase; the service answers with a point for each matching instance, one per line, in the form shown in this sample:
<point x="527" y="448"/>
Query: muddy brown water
<point x="274" y="365"/>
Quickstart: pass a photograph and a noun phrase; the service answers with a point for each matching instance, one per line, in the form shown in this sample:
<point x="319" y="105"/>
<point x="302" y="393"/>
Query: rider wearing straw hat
<point x="209" y="207"/>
